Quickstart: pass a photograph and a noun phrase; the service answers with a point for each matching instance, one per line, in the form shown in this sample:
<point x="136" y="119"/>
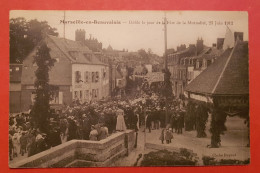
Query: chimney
<point x="192" y="48"/>
<point x="238" y="35"/>
<point x="220" y="42"/>
<point x="80" y="35"/>
<point x="199" y="45"/>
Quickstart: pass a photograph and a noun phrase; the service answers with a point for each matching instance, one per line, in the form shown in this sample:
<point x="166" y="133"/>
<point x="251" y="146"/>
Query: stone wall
<point x="82" y="153"/>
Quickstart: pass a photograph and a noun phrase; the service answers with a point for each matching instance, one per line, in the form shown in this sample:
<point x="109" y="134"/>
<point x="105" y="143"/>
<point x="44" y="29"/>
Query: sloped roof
<point x="109" y="48"/>
<point x="212" y="53"/>
<point x="228" y="75"/>
<point x="68" y="47"/>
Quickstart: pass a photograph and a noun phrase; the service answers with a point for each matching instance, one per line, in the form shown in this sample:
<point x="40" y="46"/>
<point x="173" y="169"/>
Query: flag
<point x="229" y="41"/>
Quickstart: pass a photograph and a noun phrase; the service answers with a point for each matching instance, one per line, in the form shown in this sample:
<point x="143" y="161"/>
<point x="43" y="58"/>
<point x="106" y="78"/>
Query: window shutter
<point x="60" y="97"/>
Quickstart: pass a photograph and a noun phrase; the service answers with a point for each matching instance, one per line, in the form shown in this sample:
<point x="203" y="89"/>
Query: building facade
<point x="187" y="63"/>
<point x="77" y="74"/>
<point x="15" y="71"/>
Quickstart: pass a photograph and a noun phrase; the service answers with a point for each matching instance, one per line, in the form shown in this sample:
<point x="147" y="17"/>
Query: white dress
<point x="120" y="123"/>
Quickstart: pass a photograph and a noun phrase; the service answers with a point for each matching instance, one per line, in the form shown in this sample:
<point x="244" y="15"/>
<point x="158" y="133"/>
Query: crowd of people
<point x="92" y="121"/>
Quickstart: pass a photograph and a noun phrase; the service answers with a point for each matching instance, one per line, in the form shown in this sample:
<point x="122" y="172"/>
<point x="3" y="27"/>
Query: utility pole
<point x="165" y="43"/>
<point x="166" y="69"/>
<point x="64" y="25"/>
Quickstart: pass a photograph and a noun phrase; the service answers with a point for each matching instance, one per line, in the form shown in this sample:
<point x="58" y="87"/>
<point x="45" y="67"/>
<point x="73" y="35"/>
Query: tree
<point x="144" y="55"/>
<point x="167" y="91"/>
<point x="217" y="126"/>
<point x="25" y="35"/>
<point x="18" y="39"/>
<point x="41" y="107"/>
<point x="201" y="120"/>
<point x="167" y="88"/>
<point x="190" y="117"/>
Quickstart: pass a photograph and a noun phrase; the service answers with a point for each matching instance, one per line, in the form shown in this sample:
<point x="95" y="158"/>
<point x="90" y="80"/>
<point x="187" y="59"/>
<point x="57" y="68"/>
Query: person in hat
<point x="168" y="135"/>
<point x="93" y="134"/>
<point x="16" y="144"/>
<point x="72" y="129"/>
<point x="64" y="130"/>
<point x="23" y="142"/>
<point x="120" y="123"/>
<point x="103" y="132"/>
<point x="86" y="126"/>
<point x="162" y="136"/>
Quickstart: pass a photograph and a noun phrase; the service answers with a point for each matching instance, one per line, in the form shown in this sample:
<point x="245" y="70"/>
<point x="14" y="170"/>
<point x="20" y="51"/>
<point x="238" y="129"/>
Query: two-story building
<point x="77" y="74"/>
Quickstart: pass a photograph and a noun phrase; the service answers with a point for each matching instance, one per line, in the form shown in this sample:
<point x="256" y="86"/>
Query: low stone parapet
<point x="82" y="153"/>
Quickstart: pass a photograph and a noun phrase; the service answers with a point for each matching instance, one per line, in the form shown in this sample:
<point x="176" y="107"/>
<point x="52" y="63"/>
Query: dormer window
<point x="88" y="56"/>
<point x="74" y="54"/>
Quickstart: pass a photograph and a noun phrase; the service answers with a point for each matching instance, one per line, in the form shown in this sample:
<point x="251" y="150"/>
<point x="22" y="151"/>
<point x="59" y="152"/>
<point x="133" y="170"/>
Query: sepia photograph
<point x="128" y="88"/>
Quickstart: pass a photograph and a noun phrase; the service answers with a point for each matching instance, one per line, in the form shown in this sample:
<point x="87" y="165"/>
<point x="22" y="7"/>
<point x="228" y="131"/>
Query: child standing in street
<point x="168" y="136"/>
<point x="163" y="135"/>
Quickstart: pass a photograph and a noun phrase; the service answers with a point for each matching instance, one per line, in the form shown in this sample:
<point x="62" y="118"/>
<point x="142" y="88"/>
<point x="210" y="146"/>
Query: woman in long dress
<point x="120" y="123"/>
<point x="64" y="130"/>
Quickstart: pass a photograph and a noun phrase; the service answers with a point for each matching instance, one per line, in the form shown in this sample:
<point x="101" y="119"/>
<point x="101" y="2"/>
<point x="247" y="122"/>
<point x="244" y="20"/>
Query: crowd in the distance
<point x="90" y="121"/>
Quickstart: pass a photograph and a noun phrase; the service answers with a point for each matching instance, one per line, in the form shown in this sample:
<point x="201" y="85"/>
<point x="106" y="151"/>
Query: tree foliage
<point x="167" y="158"/>
<point x="167" y="87"/>
<point x="144" y="55"/>
<point x="190" y="118"/>
<point x="41" y="107"/>
<point x="25" y="35"/>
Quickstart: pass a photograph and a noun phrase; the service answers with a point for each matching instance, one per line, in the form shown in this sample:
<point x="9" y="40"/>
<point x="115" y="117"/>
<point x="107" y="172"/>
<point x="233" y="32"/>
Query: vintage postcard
<point x="128" y="88"/>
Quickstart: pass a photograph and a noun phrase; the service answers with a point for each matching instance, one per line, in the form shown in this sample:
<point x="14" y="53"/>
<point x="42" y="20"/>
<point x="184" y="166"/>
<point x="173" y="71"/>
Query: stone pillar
<point x="218" y="127"/>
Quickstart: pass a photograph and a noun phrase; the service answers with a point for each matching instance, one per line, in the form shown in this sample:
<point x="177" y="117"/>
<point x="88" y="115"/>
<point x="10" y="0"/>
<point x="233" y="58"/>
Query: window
<point x="97" y="93"/>
<point x="74" y="54"/>
<point x="97" y="76"/>
<point x="105" y="73"/>
<point x="86" y="77"/>
<point x="10" y="70"/>
<point x="54" y="98"/>
<point x="119" y="82"/>
<point x="76" y="96"/>
<point x="78" y="76"/>
<point x="93" y="77"/>
<point x="87" y="95"/>
<point x="16" y="68"/>
<point x="57" y="97"/>
<point x="60" y="97"/>
<point x="80" y="95"/>
<point x="197" y="64"/>
<point x="33" y="96"/>
<point x="102" y="73"/>
<point x="93" y="93"/>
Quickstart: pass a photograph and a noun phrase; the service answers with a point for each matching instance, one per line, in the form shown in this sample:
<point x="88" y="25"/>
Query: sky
<point x="143" y="29"/>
